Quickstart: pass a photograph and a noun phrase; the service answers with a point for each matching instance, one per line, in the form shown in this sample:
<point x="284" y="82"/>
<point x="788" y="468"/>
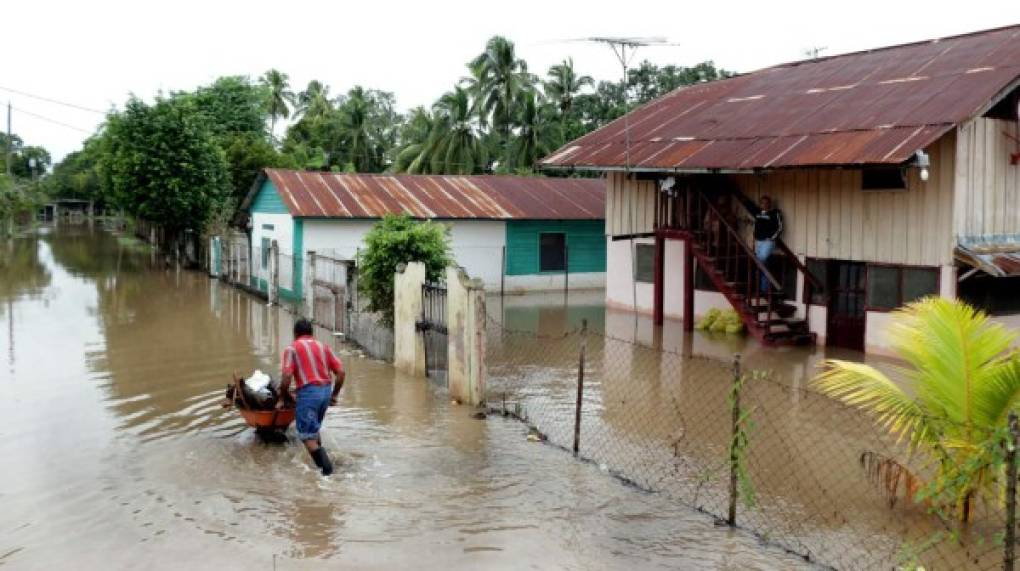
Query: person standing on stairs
<point x="768" y="225"/>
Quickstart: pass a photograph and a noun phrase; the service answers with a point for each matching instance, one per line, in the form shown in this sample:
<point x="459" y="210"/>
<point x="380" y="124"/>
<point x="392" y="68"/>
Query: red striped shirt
<point x="310" y="362"/>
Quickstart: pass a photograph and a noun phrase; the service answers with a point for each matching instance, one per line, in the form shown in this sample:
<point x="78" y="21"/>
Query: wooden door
<point x="845" y="326"/>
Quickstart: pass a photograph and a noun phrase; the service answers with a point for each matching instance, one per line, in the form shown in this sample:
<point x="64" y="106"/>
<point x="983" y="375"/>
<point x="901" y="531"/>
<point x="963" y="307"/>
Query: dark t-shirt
<point x="768" y="224"/>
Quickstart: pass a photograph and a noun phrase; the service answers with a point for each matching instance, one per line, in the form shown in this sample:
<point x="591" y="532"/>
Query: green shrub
<point x="395" y="240"/>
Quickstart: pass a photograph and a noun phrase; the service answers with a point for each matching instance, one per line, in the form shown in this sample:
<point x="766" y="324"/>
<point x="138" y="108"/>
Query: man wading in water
<point x="311" y="363"/>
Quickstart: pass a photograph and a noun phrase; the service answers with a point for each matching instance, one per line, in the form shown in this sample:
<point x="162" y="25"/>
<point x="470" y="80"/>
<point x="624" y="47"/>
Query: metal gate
<point x="433" y="329"/>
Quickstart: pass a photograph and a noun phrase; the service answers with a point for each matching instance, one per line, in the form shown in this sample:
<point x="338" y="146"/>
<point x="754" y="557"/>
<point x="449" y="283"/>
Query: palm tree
<point x="563" y="84"/>
<point x="314" y="101"/>
<point x="417" y="138"/>
<point x="539" y="133"/>
<point x="355" y="124"/>
<point x="499" y="76"/>
<point x="279" y="96"/>
<point x="962" y="380"/>
<point x="456" y="141"/>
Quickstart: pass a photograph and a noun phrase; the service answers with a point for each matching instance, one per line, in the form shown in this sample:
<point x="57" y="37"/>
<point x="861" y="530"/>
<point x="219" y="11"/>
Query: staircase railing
<point x="791" y="258"/>
<point x="742" y="271"/>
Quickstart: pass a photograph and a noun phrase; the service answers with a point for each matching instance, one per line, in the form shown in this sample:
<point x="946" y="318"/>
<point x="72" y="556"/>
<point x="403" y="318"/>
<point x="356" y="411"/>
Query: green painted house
<point x="519" y="233"/>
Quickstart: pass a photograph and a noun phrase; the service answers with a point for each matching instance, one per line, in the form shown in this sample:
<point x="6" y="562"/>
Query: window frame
<point x="899" y="283"/>
<point x="807" y="290"/>
<point x="566" y="260"/>
<point x="638" y="246"/>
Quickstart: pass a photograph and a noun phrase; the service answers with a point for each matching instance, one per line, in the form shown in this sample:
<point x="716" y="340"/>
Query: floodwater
<point x="117" y="455"/>
<point x="657" y="412"/>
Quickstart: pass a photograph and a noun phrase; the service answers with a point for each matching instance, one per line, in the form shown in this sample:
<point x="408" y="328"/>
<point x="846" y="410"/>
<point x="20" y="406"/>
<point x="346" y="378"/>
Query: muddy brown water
<point x="117" y="455"/>
<point x="657" y="412"/>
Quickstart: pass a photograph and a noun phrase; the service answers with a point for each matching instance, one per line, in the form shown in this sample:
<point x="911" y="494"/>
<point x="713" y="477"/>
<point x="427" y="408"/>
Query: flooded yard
<point x="116" y="453"/>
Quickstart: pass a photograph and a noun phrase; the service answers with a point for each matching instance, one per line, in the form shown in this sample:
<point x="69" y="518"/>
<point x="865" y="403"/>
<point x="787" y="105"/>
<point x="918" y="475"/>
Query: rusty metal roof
<point x="343" y="195"/>
<point x="997" y="256"/>
<point x="872" y="107"/>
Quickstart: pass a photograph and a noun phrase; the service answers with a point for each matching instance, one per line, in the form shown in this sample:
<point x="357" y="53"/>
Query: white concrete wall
<point x="336" y="238"/>
<point x="477" y="245"/>
<point x="478" y="248"/>
<point x="282" y="232"/>
<point x="550" y="282"/>
<point x="620" y="284"/>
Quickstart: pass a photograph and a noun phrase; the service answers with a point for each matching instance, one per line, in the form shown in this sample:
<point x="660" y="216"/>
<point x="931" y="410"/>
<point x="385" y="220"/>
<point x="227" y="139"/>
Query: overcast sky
<point x="94" y="53"/>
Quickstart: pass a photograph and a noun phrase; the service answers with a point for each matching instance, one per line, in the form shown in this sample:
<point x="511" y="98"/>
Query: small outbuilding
<point x="515" y="233"/>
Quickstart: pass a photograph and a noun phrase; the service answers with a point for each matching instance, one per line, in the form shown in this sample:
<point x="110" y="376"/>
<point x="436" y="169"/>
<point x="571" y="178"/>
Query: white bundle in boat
<point x="257" y="387"/>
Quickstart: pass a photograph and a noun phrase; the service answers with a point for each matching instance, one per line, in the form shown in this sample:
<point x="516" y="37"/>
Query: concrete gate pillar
<point x="465" y="321"/>
<point x="408" y="344"/>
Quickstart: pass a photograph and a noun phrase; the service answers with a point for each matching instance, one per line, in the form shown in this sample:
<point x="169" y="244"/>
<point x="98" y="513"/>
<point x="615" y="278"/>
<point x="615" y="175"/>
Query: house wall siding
<point x="988" y="187"/>
<point x="586" y="245"/>
<point x="827" y="215"/>
<point x="630" y="205"/>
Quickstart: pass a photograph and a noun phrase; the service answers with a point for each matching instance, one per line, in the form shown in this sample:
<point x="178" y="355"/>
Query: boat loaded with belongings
<point x="256" y="397"/>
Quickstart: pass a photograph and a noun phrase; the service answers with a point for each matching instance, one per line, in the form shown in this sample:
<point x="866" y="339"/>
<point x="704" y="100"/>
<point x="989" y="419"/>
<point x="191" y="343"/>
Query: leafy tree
<point x="539" y="130"/>
<point x="960" y="381"/>
<point x="564" y="84"/>
<point x="314" y="101"/>
<point x="458" y="146"/>
<point x="416" y="142"/>
<point x="76" y="176"/>
<point x="162" y="162"/>
<point x="247" y="154"/>
<point x="230" y="105"/>
<point x="368" y="126"/>
<point x="396" y="240"/>
<point x="498" y="78"/>
<point x="279" y="97"/>
<point x="649" y="81"/>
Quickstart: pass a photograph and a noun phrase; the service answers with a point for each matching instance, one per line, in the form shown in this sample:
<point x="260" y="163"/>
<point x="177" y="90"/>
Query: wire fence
<point x="748" y="447"/>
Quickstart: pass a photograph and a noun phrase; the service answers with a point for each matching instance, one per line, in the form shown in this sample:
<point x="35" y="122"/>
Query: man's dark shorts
<point x="312" y="403"/>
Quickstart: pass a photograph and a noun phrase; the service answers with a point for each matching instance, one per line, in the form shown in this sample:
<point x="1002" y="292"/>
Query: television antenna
<point x="624" y="48"/>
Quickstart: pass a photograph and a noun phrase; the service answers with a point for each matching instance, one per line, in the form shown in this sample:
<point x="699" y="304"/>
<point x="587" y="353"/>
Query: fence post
<point x="274" y="275"/>
<point x="310" y="291"/>
<point x="1011" y="468"/>
<point x="580" y="387"/>
<point x="735" y="405"/>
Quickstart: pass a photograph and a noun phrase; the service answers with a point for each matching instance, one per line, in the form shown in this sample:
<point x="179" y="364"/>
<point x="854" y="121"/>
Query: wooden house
<point x="896" y="170"/>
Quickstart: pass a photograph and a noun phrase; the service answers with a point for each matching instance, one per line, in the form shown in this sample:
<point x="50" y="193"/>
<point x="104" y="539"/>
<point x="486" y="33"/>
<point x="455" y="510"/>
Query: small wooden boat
<point x="277" y="419"/>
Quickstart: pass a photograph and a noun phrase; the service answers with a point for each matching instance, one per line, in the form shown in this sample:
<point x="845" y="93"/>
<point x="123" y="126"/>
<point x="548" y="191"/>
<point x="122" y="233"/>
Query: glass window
<point x="819" y="269"/>
<point x="265" y="253"/>
<point x="882" y="178"/>
<point x="997" y="296"/>
<point x="552" y="252"/>
<point x="919" y="282"/>
<point x="883" y="287"/>
<point x="644" y="268"/>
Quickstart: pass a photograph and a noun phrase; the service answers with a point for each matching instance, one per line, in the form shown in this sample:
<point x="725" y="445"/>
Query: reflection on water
<point x="117" y="455"/>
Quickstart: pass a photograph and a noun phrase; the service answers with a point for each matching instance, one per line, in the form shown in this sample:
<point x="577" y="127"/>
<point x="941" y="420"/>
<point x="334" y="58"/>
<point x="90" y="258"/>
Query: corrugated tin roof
<point x="343" y="195"/>
<point x="997" y="256"/>
<point x="872" y="107"/>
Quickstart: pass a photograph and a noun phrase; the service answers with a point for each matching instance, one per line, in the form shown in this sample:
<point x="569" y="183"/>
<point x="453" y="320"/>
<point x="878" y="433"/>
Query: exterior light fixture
<point x="922" y="161"/>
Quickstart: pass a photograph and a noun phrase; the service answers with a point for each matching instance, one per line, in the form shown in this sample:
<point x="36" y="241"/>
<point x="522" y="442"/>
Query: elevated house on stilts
<point x="896" y="170"/>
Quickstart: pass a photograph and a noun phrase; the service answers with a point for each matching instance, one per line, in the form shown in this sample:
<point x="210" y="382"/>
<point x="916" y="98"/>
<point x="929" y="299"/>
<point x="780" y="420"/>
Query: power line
<point x="54" y="101"/>
<point x="54" y="121"/>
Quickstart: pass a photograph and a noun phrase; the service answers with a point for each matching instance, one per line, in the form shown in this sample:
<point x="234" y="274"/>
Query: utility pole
<point x="9" y="140"/>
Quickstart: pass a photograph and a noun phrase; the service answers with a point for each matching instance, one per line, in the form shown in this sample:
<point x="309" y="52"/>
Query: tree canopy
<point x="149" y="159"/>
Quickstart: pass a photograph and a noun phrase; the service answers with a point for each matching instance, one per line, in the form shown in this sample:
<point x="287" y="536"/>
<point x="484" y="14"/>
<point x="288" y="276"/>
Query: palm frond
<point x="865" y="387"/>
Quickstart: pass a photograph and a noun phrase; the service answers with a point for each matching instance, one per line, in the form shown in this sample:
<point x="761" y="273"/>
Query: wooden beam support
<point x="688" y="286"/>
<point x="658" y="293"/>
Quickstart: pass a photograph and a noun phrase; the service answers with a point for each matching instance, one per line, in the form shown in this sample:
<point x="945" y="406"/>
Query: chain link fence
<point x="749" y="447"/>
